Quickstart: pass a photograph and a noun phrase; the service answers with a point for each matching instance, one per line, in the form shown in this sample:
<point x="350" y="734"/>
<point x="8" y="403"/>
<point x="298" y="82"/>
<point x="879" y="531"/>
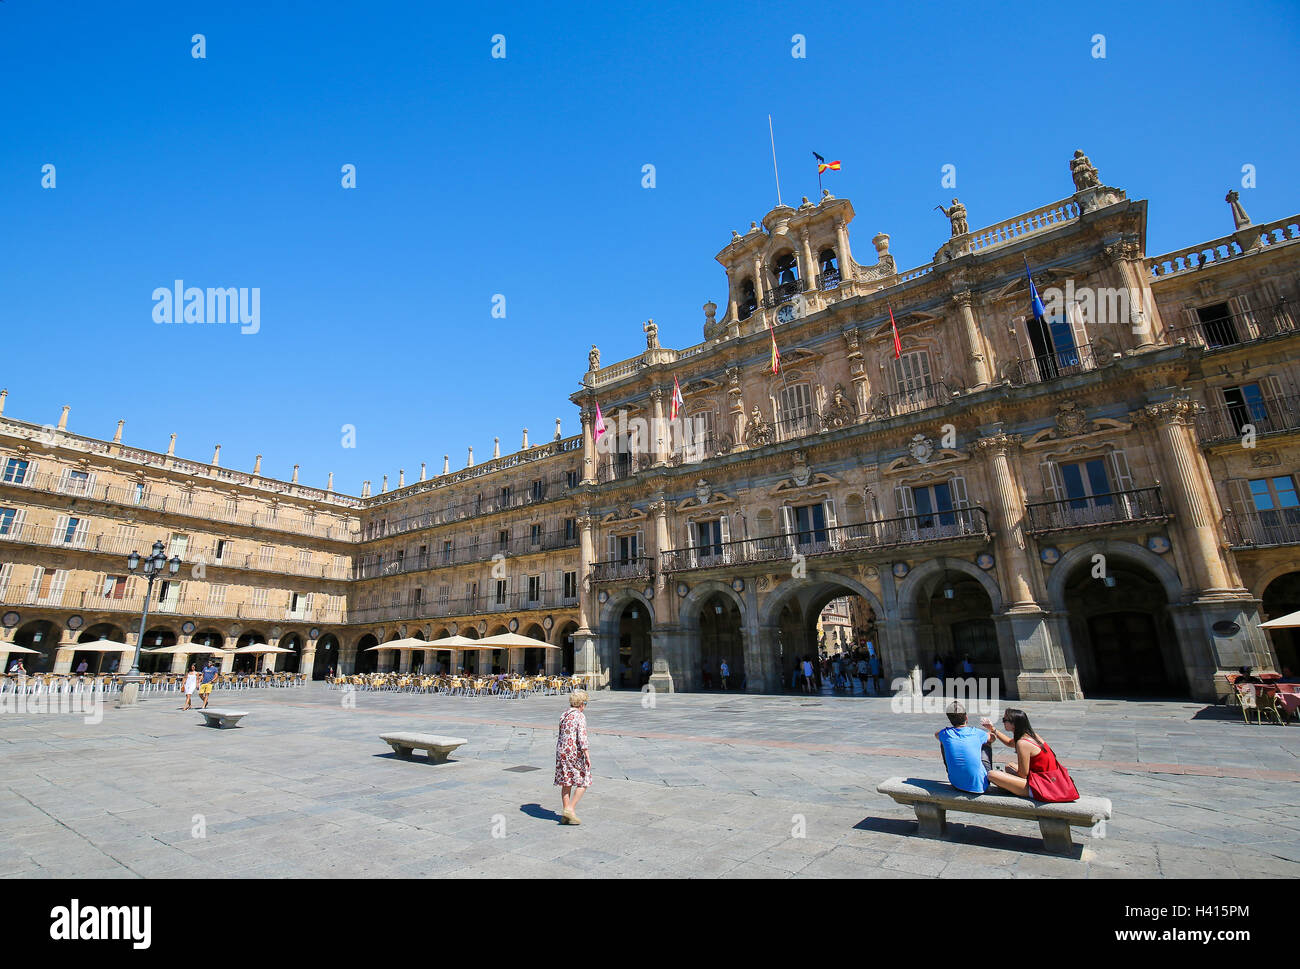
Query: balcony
<point x="828" y="280"/>
<point x="934" y="394"/>
<point x="193" y="606"/>
<point x="442" y="558"/>
<point x="796" y="427"/>
<point x="1237" y="330"/>
<point x="782" y="293"/>
<point x="621" y="570"/>
<point x="621" y="466"/>
<point x="1062" y="363"/>
<point x="482" y="605"/>
<point x="865" y="538"/>
<point x="1263" y="529"/>
<point x="1114" y="508"/>
<point x="1226" y="423"/>
<point x="183" y="505"/>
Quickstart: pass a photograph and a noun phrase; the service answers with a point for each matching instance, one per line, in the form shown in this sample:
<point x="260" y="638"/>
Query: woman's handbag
<point x="1053" y="786"/>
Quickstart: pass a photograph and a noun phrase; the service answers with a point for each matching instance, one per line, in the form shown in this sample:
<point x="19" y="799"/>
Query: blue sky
<point x="522" y="177"/>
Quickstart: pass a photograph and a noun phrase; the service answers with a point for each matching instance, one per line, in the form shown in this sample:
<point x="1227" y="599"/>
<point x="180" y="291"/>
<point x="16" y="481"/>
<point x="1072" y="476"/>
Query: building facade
<point x="1098" y="499"/>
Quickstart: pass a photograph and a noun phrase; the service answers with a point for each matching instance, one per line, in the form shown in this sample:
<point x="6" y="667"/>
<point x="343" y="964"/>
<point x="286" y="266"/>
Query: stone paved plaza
<point x="702" y="785"/>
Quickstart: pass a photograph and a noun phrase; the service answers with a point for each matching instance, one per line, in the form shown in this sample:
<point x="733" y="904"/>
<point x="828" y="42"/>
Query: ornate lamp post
<point x="153" y="567"/>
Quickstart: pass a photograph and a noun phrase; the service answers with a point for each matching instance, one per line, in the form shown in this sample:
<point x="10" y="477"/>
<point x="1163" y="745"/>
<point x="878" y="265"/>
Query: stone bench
<point x="437" y="746"/>
<point x="223" y="718"/>
<point x="932" y="800"/>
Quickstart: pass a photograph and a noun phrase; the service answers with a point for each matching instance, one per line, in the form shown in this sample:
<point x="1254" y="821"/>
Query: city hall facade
<point x="1095" y="500"/>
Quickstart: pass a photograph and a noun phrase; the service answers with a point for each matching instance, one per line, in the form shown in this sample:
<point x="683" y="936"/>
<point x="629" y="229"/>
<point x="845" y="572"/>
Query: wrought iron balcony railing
<point x="621" y="569"/>
<point x="1117" y="507"/>
<point x="1235" y="330"/>
<point x="621" y="466"/>
<point x="1060" y="363"/>
<point x="465" y="554"/>
<point x="1230" y="422"/>
<point x="480" y="605"/>
<point x="915" y="399"/>
<point x="889" y="533"/>
<point x="1263" y="528"/>
<point x="782" y="293"/>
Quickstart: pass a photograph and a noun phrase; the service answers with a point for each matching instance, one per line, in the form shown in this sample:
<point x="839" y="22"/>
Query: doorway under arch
<point x="366" y="659"/>
<point x="1282" y="597"/>
<point x="565" y="642"/>
<point x="42" y="636"/>
<point x="327" y="656"/>
<point x="633" y="640"/>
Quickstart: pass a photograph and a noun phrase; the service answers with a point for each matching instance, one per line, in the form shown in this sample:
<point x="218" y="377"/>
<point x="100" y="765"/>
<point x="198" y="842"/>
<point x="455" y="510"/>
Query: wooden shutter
<point x="1053" y="483"/>
<point x="56" y="588"/>
<point x="60" y="529"/>
<point x="34" y="586"/>
<point x="6" y="572"/>
<point x="787" y="525"/>
<point x="1247" y="325"/>
<point x="63" y="479"/>
<point x="16" y="528"/>
<point x="90" y="484"/>
<point x="79" y="536"/>
<point x="960" y="503"/>
<point x="1122" y="481"/>
<point x="1079" y="330"/>
<point x="903" y="501"/>
<point x="724" y="533"/>
<point x="613" y="547"/>
<point x="1192" y="329"/>
<point x="832" y="523"/>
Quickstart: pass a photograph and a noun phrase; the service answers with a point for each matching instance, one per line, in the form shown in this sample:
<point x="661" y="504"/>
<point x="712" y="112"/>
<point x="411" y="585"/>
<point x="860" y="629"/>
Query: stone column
<point x="735" y="408"/>
<point x="663" y="641"/>
<point x="585" y="658"/>
<point x="733" y="303"/>
<point x="588" y="446"/>
<point x="979" y="367"/>
<point x="658" y="431"/>
<point x="1188" y="486"/>
<point x="842" y="252"/>
<point x="1136" y="327"/>
<point x="1008" y="521"/>
<point x="810" y="269"/>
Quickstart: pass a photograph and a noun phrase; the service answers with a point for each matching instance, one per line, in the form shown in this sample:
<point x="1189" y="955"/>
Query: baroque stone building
<point x="1095" y="500"/>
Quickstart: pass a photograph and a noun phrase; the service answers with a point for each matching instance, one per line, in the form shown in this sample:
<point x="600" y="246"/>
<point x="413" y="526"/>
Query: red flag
<point x="898" y="347"/>
<point x="678" y="402"/>
<point x="776" y="354"/>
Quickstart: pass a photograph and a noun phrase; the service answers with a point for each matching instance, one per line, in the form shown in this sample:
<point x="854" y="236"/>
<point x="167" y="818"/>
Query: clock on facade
<point x="75" y="622"/>
<point x="787" y="313"/>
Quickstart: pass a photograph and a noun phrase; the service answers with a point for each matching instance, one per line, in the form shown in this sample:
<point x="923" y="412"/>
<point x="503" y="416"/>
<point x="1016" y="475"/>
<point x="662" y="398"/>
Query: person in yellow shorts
<point x="209" y="680"/>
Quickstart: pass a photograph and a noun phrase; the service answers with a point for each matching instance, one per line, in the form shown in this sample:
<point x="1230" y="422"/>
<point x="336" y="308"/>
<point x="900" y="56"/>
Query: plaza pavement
<point x="702" y="785"/>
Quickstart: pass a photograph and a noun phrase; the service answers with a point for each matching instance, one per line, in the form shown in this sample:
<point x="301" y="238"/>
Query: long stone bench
<point x="932" y="800"/>
<point x="437" y="746"/>
<point x="222" y="718"/>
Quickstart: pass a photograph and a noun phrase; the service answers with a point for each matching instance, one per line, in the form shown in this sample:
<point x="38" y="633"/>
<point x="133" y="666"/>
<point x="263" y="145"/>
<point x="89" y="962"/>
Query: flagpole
<point x="772" y="137"/>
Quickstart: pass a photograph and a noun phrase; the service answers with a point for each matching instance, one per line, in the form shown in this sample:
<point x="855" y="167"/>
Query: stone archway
<point x="715" y="626"/>
<point x="627" y="623"/>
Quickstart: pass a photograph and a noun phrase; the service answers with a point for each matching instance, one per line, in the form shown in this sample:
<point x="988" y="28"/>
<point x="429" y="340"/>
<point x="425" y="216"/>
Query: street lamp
<point x="153" y="567"/>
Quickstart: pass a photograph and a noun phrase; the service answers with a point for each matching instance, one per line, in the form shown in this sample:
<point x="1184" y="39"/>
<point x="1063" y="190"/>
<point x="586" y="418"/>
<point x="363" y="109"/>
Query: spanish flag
<point x="898" y="347"/>
<point x="824" y="165"/>
<point x="776" y="354"/>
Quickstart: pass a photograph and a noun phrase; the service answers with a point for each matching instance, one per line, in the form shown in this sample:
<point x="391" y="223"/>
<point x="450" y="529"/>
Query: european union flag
<point x="1035" y="301"/>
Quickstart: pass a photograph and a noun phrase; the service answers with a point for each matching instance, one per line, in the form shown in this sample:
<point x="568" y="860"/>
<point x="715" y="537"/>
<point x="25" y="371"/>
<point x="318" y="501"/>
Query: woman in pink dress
<point x="572" y="757"/>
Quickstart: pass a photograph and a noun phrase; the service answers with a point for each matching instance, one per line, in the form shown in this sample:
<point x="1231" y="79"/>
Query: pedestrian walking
<point x="723" y="672"/>
<point x="573" y="757"/>
<point x="206" y="684"/>
<point x="191" y="684"/>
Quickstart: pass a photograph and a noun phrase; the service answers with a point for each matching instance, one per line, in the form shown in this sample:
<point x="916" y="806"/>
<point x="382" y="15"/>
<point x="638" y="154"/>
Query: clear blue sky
<point x="522" y="176"/>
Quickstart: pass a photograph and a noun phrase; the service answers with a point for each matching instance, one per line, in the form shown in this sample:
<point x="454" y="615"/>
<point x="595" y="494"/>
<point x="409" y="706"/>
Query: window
<point x="535" y="534"/>
<point x="417" y="596"/>
<point x="748" y="301"/>
<point x="810" y="524"/>
<point x="570" y="529"/>
<point x="444" y="592"/>
<point x="503" y="538"/>
<point x="114" y="587"/>
<point x="1271" y="494"/>
<point x="786" y="271"/>
<point x="70" y="530"/>
<point x="137" y="493"/>
<point x="10" y="522"/>
<point x="912" y="374"/>
<point x="625" y="548"/>
<point x="223" y="546"/>
<point x="1218" y="325"/>
<point x="232" y="508"/>
<point x="1086" y="482"/>
<point x="304" y="558"/>
<point x="570" y="585"/>
<point x="539" y="490"/>
<point x="446" y="551"/>
<point x="15" y="471"/>
<point x="708" y="537"/>
<point x="179" y="543"/>
<point x="830" y="273"/>
<point x="169" y="596"/>
<point x="534" y="588"/>
<point x="216" y="596"/>
<point x="571" y="478"/>
<point x="503" y="496"/>
<point x="300" y="604"/>
<point x="266" y="556"/>
<point x="796" y="411"/>
<point x="501" y="592"/>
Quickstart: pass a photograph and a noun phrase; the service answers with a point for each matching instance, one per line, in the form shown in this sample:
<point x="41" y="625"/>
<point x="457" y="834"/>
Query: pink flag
<point x="599" y="428"/>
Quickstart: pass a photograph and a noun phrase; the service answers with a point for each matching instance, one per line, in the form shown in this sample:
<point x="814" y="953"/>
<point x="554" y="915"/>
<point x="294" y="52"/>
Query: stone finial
<point x="365" y="489"/>
<point x="496" y="448"/>
<point x="422" y="471"/>
<point x="384" y="487"/>
<point x="329" y="486"/>
<point x="294" y="479"/>
<point x="881" y="241"/>
<point x="1239" y="217"/>
<point x="257" y="465"/>
<point x="558" y="434"/>
<point x="216" y="457"/>
<point x="469" y="462"/>
<point x="171" y="446"/>
<point x="63" y="418"/>
<point x="3" y="395"/>
<point x="446" y="464"/>
<point x="117" y="435"/>
<point x="524" y="446"/>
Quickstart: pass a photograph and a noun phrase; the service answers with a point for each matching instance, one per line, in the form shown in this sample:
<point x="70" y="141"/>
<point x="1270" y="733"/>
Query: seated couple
<point x="968" y="755"/>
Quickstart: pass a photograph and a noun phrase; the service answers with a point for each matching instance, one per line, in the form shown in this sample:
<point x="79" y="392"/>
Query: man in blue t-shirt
<point x="967" y="752"/>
